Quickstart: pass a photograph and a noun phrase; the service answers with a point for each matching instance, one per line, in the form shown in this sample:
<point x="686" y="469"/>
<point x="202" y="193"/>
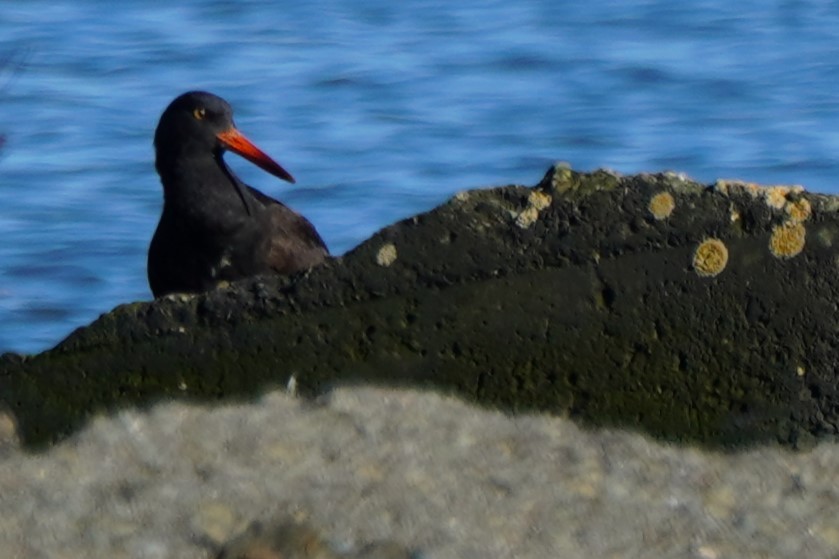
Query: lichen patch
<point x="787" y="239"/>
<point x="536" y="202"/>
<point x="825" y="236"/>
<point x="561" y="180"/>
<point x="386" y="255"/>
<point x="527" y="217"/>
<point x="710" y="258"/>
<point x="539" y="200"/>
<point x="775" y="196"/>
<point x="798" y="210"/>
<point x="730" y="187"/>
<point x="661" y="205"/>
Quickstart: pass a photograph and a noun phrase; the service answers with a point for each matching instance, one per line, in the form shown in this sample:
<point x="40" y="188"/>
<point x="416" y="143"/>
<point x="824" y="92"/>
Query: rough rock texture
<point x="288" y="538"/>
<point x="431" y="474"/>
<point x="693" y="313"/>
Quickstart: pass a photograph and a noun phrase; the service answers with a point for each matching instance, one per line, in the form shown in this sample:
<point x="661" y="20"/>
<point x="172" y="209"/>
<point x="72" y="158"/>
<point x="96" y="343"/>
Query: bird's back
<point x="186" y="256"/>
<point x="292" y="243"/>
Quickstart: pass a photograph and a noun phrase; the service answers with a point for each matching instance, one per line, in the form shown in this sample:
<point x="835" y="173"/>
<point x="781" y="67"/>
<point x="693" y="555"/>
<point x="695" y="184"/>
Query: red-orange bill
<point x="236" y="142"/>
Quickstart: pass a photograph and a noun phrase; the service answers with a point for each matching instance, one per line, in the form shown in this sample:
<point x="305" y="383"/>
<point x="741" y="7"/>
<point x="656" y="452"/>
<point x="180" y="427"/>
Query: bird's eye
<point x="199" y="113"/>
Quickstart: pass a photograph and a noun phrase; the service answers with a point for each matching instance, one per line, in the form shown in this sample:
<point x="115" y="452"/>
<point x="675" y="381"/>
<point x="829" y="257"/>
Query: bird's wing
<point x="295" y="244"/>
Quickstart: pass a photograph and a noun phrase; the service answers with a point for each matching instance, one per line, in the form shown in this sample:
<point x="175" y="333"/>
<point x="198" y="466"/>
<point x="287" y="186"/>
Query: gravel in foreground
<point x="426" y="473"/>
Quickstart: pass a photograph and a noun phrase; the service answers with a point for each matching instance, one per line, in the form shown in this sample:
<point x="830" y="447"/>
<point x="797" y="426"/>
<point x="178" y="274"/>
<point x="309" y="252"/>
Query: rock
<point x="383" y="550"/>
<point x="8" y="432"/>
<point x="290" y="539"/>
<point x="694" y="313"/>
<point x="277" y="540"/>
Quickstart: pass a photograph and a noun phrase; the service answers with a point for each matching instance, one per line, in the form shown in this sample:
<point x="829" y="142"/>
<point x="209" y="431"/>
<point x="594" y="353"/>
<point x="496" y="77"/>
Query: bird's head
<point x="200" y="124"/>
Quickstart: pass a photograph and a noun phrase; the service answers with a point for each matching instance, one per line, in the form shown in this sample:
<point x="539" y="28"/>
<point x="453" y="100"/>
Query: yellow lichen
<point x="710" y="258"/>
<point x="798" y="210"/>
<point x="386" y="255"/>
<point x="561" y="179"/>
<point x="661" y="205"/>
<point x="527" y="217"/>
<point x="775" y="196"/>
<point x="536" y="201"/>
<point x="539" y="200"/>
<point x="787" y="239"/>
<point x="730" y="187"/>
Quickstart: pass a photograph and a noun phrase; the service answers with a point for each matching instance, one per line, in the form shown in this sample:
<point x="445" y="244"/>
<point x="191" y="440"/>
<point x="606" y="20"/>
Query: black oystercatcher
<point x="215" y="228"/>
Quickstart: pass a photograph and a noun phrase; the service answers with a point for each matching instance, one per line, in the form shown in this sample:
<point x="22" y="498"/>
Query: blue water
<point x="381" y="110"/>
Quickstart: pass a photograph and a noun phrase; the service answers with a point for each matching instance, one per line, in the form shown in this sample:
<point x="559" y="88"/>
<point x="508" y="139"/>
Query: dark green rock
<point x="570" y="297"/>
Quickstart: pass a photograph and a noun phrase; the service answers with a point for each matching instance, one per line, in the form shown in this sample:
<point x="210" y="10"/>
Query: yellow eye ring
<point x="199" y="113"/>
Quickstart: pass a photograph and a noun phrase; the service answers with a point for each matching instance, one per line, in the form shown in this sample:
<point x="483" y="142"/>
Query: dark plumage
<point x="214" y="227"/>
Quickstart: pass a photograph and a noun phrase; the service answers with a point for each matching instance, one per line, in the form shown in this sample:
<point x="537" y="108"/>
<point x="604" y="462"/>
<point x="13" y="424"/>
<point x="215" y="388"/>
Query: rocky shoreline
<point x="596" y="366"/>
<point x="694" y="313"/>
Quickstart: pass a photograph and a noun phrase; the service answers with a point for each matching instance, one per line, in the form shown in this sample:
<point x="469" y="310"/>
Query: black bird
<point x="215" y="228"/>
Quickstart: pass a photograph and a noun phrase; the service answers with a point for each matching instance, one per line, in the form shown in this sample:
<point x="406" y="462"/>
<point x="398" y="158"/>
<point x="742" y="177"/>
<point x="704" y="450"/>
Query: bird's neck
<point x="203" y="184"/>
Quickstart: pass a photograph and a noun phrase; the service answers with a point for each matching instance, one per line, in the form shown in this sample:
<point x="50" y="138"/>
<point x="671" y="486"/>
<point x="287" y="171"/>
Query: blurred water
<point x="381" y="110"/>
